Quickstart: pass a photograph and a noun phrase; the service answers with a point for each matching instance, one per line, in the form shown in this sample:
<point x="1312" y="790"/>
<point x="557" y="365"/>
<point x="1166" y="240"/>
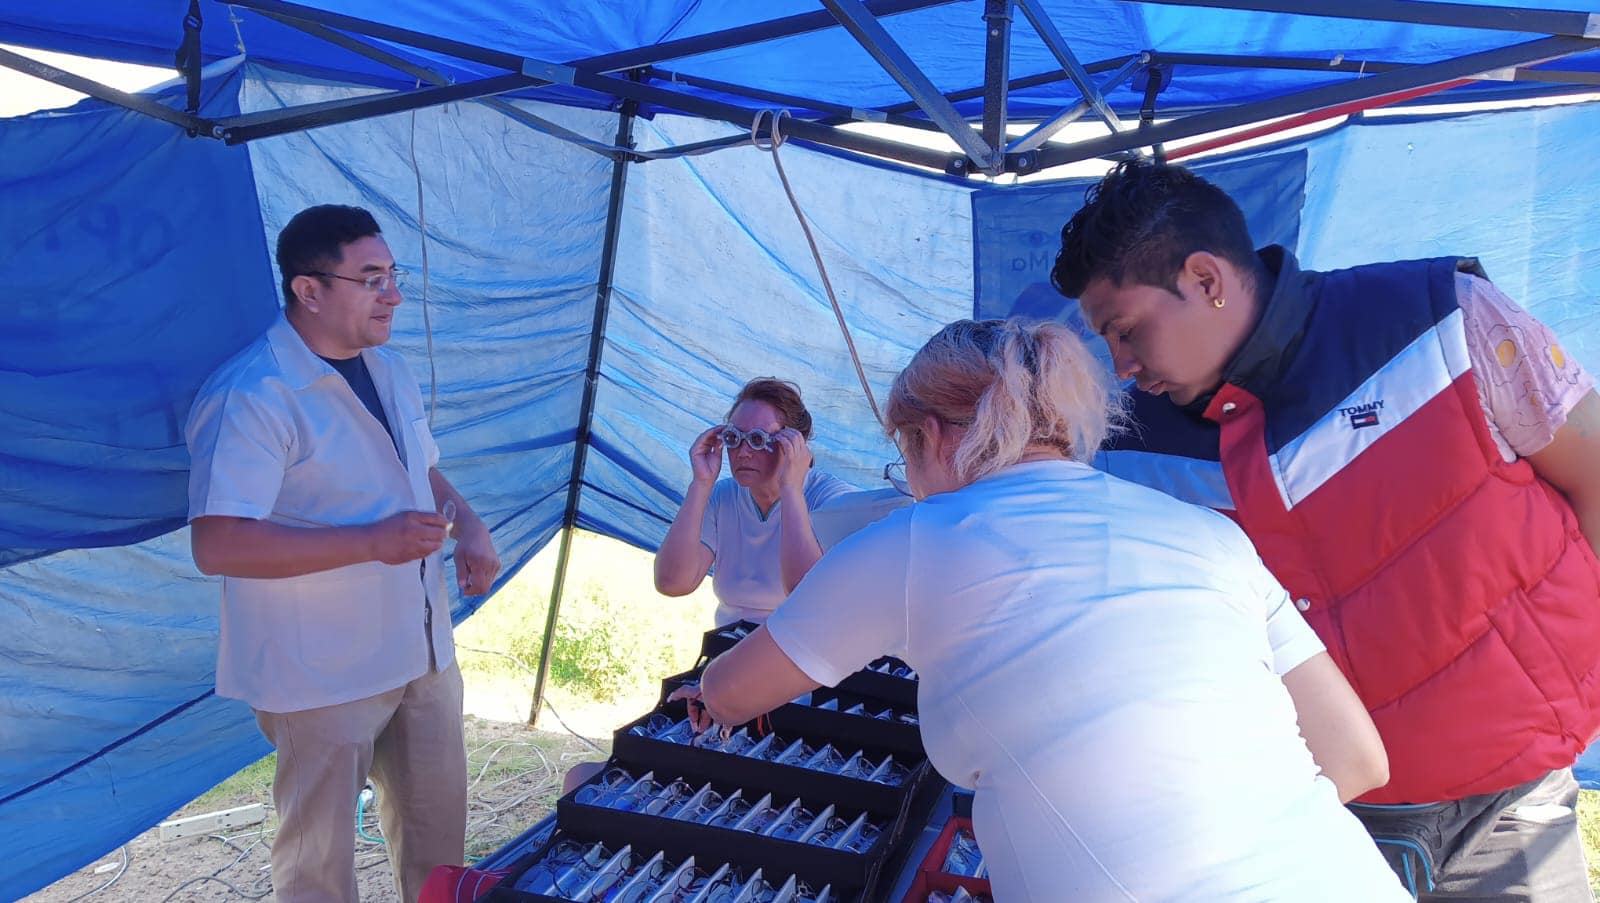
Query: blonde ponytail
<point x="1014" y="384"/>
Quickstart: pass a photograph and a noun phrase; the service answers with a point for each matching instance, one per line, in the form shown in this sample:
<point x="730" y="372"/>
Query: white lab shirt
<point x="277" y="434"/>
<point x="1101" y="663"/>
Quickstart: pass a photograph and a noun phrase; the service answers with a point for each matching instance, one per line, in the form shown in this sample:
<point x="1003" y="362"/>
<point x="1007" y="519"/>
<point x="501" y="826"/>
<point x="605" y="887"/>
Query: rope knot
<point x="775" y="136"/>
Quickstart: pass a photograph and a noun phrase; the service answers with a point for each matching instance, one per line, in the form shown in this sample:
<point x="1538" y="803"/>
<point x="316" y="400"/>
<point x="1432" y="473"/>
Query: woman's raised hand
<point x="705" y="456"/>
<point x="794" y="457"/>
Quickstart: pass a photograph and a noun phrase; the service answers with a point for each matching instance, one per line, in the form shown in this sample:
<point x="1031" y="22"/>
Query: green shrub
<point x="588" y="655"/>
<point x="615" y="639"/>
<point x="607" y="647"/>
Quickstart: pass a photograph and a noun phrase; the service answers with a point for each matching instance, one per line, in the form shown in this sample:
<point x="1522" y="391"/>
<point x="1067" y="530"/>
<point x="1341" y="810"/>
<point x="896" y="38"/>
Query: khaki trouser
<point x="410" y="741"/>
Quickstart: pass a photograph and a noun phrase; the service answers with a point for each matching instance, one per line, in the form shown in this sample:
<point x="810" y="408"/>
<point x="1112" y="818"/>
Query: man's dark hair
<point x="1139" y="224"/>
<point x="313" y="242"/>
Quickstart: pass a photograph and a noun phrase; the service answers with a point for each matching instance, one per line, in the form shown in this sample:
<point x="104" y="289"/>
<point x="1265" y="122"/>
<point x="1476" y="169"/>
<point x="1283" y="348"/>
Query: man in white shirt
<point x="314" y="492"/>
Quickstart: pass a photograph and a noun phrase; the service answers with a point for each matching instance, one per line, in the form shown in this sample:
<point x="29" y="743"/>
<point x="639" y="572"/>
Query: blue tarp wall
<point x="138" y="259"/>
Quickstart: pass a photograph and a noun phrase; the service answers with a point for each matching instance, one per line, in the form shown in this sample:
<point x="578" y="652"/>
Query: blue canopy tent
<point x="604" y="270"/>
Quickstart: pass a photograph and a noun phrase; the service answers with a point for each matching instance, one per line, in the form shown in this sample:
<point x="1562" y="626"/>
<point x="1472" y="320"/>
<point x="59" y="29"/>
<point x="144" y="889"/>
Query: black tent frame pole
<point x="1556" y="77"/>
<point x="579" y="74"/>
<point x="1412" y="12"/>
<point x="684" y="150"/>
<point x="195" y="125"/>
<point x="540" y="124"/>
<point x="876" y="40"/>
<point x="1372" y="86"/>
<point x="1039" y="18"/>
<point x="1018" y="84"/>
<point x="279" y="9"/>
<point x="789" y="26"/>
<point x="269" y="123"/>
<point x="996" y="73"/>
<point x="424" y="74"/>
<point x="804" y="130"/>
<point x="1363" y="67"/>
<point x="859" y="18"/>
<point x="792" y="102"/>
<point x="591" y="386"/>
<point x="1039" y="134"/>
<point x="610" y="62"/>
<point x="1155" y="80"/>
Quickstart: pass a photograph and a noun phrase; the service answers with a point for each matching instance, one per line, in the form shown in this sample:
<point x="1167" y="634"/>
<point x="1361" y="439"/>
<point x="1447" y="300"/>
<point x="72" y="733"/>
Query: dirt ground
<point x="515" y="775"/>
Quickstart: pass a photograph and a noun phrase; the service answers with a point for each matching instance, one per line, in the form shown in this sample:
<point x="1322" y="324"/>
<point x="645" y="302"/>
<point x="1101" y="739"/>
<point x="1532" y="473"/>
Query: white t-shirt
<point x="746" y="575"/>
<point x="1101" y="663"/>
<point x="845" y="514"/>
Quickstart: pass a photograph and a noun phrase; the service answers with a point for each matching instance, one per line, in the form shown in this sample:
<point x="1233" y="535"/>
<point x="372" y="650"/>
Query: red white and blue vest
<point x="1453" y="589"/>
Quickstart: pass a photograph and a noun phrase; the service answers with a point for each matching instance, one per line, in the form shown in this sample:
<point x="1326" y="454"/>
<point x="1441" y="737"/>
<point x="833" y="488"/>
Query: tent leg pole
<point x="557" y="590"/>
<point x="591" y="385"/>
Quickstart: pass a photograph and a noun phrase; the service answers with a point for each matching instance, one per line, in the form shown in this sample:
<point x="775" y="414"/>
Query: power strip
<point x="213" y="822"/>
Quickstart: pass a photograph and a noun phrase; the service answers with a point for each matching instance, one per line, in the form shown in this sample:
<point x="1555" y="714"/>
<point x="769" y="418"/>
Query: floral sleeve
<point x="1527" y="383"/>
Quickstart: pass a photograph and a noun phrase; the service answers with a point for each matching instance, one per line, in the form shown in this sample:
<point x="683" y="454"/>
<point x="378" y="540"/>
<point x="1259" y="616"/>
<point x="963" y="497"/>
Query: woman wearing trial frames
<point x="753" y="527"/>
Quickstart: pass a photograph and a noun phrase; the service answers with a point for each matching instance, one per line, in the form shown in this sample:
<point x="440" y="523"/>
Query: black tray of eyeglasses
<point x="819" y="864"/>
<point x="718" y="640"/>
<point x="852" y="875"/>
<point x="886" y="678"/>
<point x="851" y="717"/>
<point x="673" y="852"/>
<point x="828" y="715"/>
<point x="744" y="771"/>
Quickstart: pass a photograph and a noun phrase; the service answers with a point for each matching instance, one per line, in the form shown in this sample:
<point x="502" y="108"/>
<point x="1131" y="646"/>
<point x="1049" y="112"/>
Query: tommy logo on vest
<point x="1363" y="414"/>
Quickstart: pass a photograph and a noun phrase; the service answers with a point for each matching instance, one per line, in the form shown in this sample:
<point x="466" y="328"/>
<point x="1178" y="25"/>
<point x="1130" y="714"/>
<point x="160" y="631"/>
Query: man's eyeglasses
<point x="758" y="440"/>
<point x="378" y="283"/>
<point x="895" y="473"/>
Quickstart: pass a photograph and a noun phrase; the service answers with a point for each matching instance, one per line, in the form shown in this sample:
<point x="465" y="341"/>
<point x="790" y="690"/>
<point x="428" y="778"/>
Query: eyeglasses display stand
<point x="816" y="802"/>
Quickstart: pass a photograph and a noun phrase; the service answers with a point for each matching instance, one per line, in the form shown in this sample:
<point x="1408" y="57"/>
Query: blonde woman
<point x="1113" y="671"/>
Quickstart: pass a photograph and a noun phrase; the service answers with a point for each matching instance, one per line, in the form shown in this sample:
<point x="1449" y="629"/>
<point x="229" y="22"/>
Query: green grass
<point x="615" y="637"/>
<point x="1589" y="828"/>
<point x="253" y="783"/>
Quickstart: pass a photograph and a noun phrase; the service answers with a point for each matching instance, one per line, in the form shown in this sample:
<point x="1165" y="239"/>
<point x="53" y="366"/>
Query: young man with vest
<point x="314" y="492"/>
<point x="1418" y="463"/>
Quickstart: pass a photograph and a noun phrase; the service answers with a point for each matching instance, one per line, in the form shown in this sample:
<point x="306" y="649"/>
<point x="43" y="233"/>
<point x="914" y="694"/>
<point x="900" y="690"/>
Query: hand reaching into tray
<point x="698" y="716"/>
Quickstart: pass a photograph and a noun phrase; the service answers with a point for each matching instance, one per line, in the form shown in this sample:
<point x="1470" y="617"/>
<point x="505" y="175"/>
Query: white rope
<point x="233" y="16"/>
<point x="427" y="320"/>
<point x="775" y="140"/>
